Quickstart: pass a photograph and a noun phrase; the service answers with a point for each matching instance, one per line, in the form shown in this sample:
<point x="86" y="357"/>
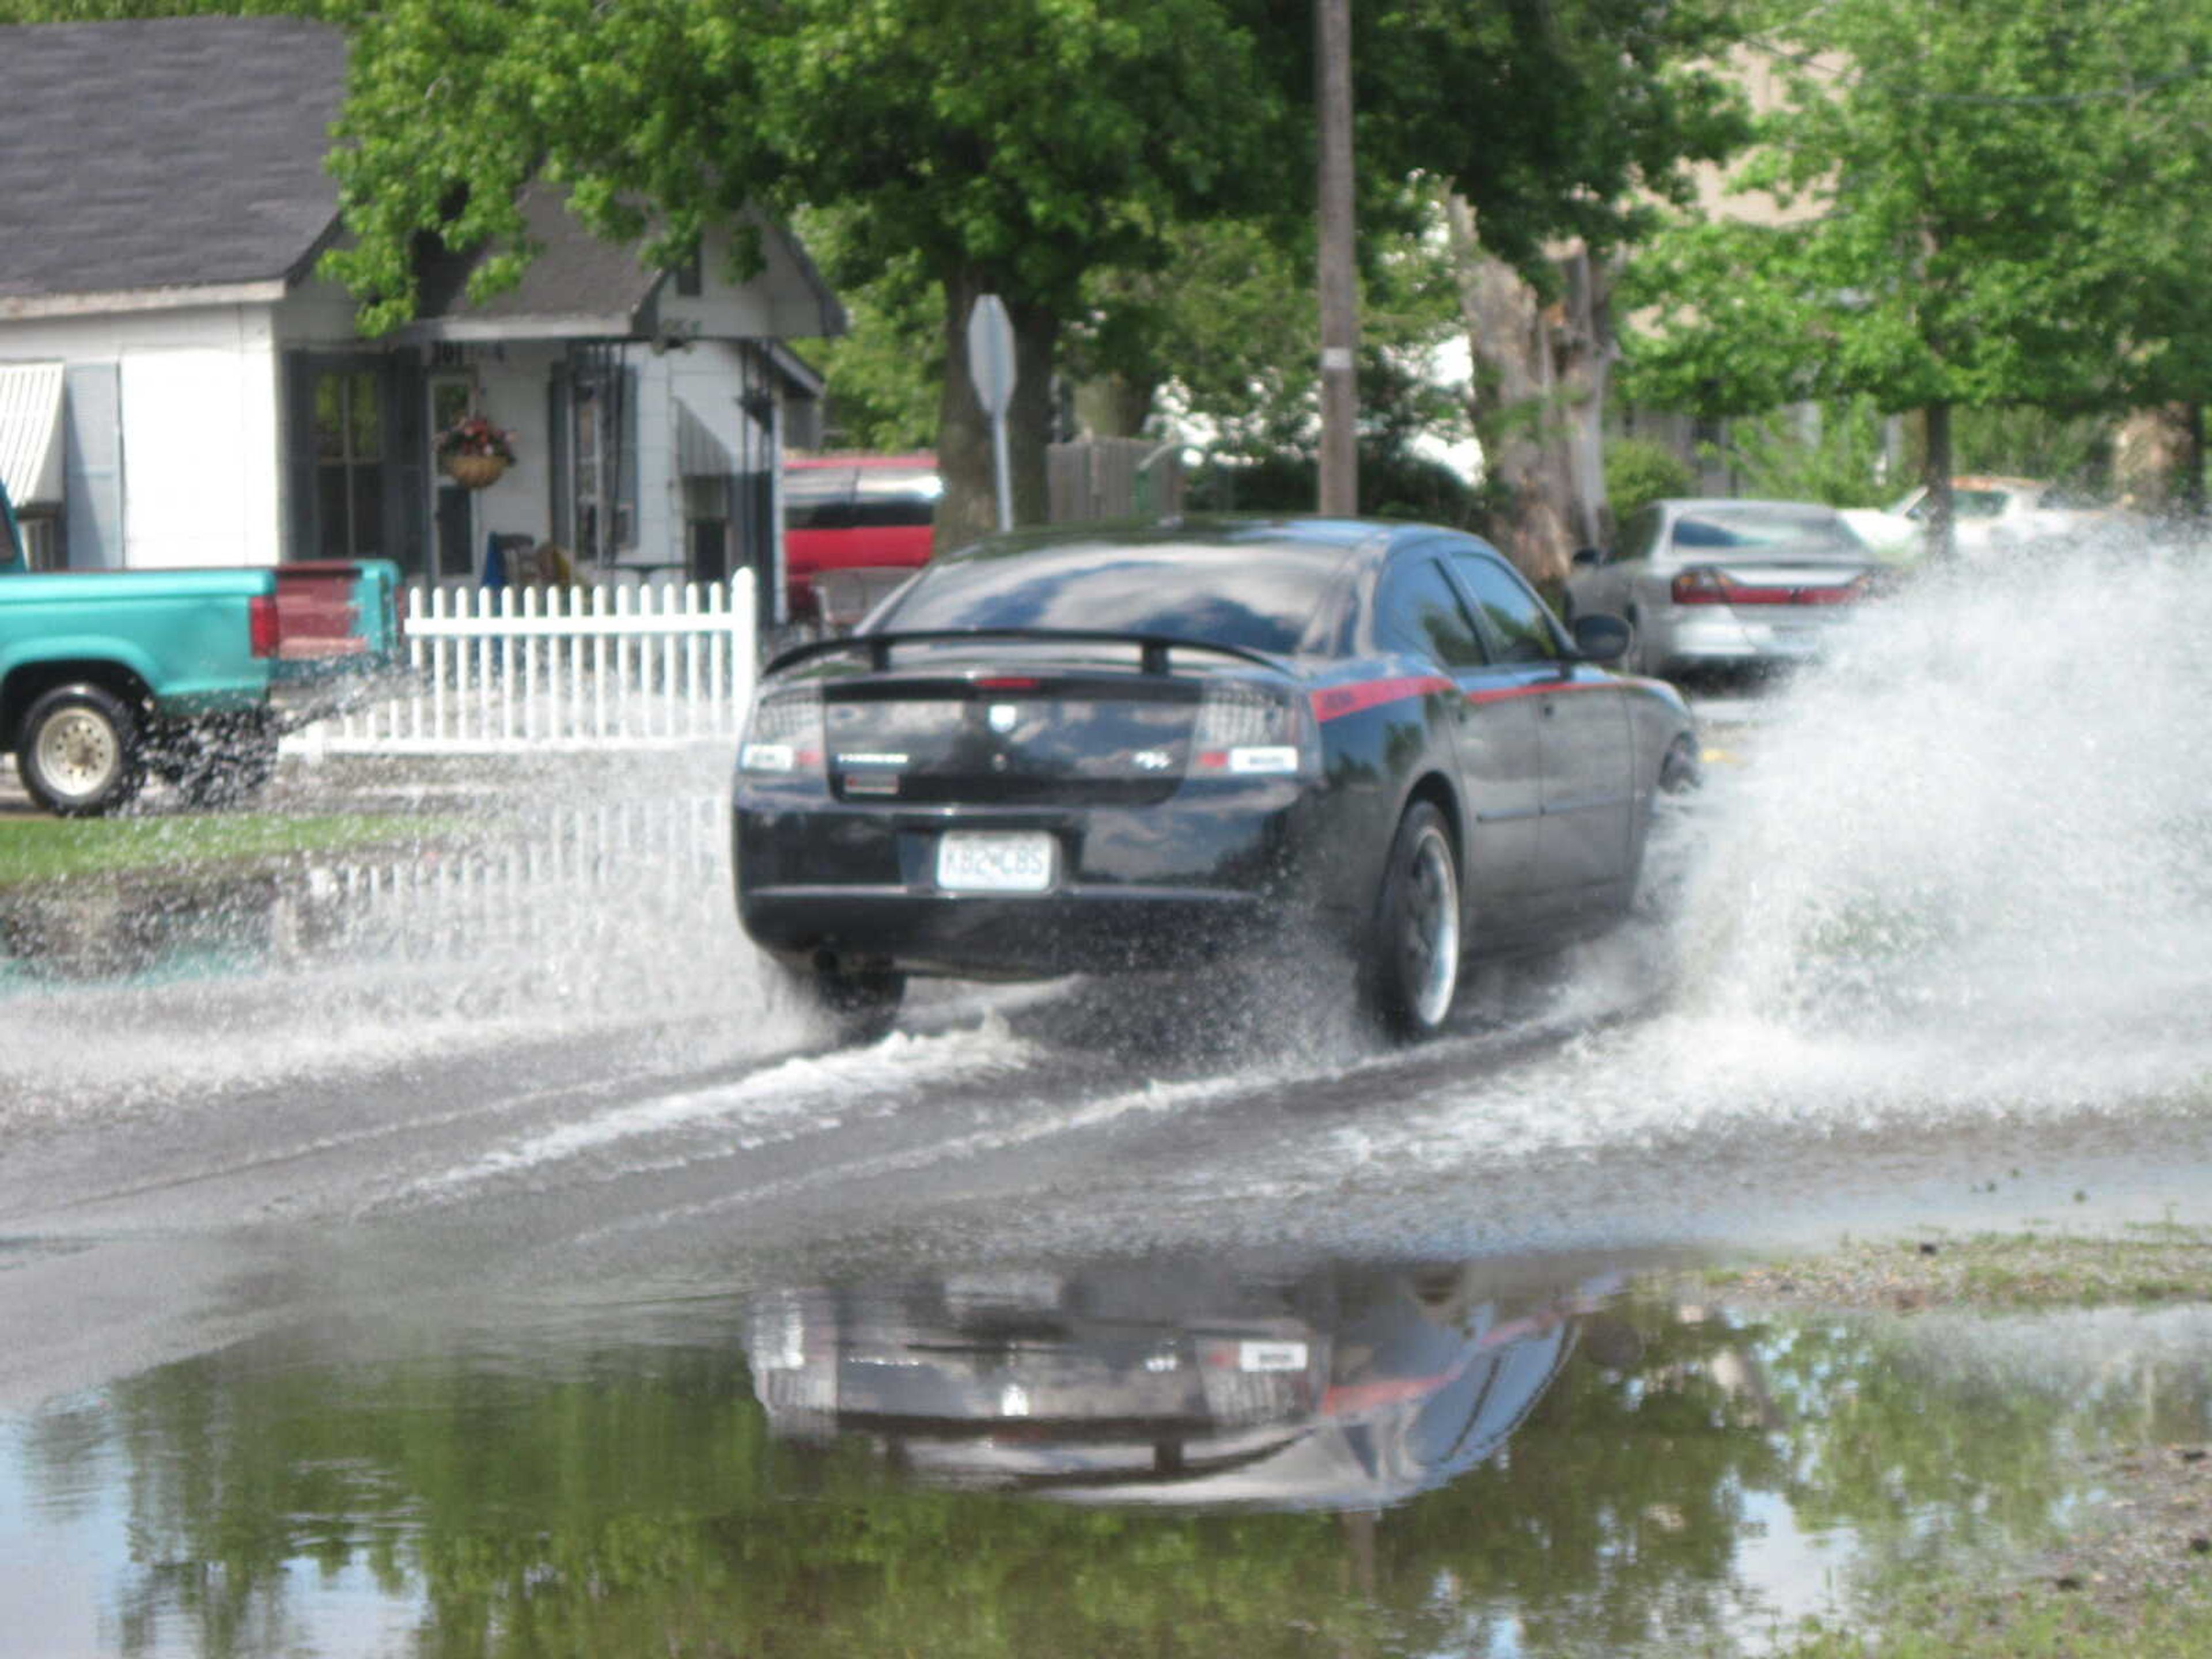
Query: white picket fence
<point x="522" y="669"/>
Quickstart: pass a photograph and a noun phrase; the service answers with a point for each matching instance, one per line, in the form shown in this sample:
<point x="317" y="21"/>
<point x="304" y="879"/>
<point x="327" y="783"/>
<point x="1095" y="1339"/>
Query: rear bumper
<point x="1135" y="888"/>
<point x="1719" y="635"/>
<point x="1076" y="930"/>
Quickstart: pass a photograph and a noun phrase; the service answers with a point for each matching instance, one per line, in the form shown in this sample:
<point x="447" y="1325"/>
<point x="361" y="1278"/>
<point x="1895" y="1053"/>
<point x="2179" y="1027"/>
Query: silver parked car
<point x="1719" y="583"/>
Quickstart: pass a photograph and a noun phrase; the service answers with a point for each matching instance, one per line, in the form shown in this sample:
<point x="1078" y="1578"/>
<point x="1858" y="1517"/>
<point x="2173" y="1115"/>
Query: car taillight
<point x="1241" y="730"/>
<point x="1699" y="585"/>
<point x="784" y="735"/>
<point x="1702" y="585"/>
<point x="262" y="635"/>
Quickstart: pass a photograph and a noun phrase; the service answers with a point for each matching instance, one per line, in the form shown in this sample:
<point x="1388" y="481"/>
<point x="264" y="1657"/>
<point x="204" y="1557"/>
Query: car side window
<point x="1517" y="617"/>
<point x="1417" y="609"/>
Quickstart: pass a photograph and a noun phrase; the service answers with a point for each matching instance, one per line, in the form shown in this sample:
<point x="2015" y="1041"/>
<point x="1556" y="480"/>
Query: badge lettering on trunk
<point x="1003" y="717"/>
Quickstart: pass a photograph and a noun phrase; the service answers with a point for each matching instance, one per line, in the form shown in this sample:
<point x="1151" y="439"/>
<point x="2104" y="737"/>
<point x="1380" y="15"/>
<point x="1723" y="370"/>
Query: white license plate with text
<point x="994" y="861"/>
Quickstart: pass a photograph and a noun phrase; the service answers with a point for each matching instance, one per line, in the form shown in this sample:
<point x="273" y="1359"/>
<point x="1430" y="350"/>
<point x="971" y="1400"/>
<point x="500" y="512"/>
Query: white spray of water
<point x="1960" y="869"/>
<point x="1976" y="843"/>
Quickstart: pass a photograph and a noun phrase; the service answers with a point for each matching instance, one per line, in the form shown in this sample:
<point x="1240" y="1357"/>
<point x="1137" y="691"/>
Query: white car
<point x="1713" y="584"/>
<point x="1986" y="513"/>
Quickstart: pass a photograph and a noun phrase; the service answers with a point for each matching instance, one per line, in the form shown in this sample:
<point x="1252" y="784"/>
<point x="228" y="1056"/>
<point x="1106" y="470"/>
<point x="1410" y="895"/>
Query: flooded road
<point x="403" y="1252"/>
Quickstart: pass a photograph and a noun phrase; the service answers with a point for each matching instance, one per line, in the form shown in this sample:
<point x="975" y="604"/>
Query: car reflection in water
<point x="1346" y="1388"/>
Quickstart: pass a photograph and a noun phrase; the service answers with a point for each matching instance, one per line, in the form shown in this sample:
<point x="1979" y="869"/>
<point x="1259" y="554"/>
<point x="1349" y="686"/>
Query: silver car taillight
<point x="784" y="735"/>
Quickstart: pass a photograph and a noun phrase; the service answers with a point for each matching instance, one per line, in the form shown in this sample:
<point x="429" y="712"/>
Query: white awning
<point x="30" y="433"/>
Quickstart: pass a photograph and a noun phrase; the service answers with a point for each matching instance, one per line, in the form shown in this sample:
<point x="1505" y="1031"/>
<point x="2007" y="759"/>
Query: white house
<point x="178" y="387"/>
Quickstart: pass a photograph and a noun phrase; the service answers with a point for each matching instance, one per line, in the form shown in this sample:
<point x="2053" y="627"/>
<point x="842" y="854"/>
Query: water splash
<point x="1981" y="830"/>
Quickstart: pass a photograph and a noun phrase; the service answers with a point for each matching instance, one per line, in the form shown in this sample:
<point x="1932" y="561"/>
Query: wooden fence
<point x="522" y="669"/>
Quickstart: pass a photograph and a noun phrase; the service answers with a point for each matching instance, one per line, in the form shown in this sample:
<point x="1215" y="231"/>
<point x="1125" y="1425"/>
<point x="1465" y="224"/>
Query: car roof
<point x="1327" y="540"/>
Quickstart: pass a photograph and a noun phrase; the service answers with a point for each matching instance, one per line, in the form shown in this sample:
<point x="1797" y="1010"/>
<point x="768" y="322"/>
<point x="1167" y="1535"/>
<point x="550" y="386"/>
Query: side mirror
<point x="1602" y="639"/>
<point x="1588" y="557"/>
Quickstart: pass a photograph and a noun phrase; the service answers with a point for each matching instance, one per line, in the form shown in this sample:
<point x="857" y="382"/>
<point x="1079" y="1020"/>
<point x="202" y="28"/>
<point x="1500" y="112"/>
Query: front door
<point x="1581" y="717"/>
<point x="1495" y="735"/>
<point x="356" y="458"/>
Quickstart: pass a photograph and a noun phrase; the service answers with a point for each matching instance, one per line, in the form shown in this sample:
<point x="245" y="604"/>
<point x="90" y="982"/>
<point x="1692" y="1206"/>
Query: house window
<point x="348" y="442"/>
<point x="603" y="453"/>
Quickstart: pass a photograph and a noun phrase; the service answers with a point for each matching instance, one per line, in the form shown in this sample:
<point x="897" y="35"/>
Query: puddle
<point x="1184" y="1456"/>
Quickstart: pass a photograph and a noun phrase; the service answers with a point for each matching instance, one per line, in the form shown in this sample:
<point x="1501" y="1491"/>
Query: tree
<point x="1010" y="148"/>
<point x="1972" y="209"/>
<point x="1017" y="148"/>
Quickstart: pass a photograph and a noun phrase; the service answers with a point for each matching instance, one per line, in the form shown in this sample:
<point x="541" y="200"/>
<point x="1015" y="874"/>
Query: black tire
<point x="1410" y="973"/>
<point x="78" y="752"/>
<point x="859" y="1009"/>
<point x="1681" y="771"/>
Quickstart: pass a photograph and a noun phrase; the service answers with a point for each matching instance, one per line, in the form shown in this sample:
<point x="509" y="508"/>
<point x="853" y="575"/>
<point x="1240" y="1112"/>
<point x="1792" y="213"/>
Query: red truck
<point x="855" y="527"/>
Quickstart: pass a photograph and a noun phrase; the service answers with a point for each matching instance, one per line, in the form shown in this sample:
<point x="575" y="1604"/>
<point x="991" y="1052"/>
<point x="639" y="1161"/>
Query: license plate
<point x="994" y="861"/>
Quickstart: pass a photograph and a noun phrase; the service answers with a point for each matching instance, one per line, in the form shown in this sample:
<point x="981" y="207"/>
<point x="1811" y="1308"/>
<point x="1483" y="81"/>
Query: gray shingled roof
<point x="165" y="153"/>
<point x="574" y="274"/>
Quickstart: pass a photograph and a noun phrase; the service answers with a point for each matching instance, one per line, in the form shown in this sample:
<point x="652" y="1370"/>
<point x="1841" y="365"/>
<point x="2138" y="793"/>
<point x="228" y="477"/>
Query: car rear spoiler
<point x="1155" y="647"/>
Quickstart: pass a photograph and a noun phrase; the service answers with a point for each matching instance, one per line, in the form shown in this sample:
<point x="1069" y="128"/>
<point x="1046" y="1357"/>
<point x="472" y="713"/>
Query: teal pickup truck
<point x="191" y="675"/>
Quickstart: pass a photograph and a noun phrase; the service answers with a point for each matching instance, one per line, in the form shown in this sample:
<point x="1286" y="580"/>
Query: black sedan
<point x="1097" y="751"/>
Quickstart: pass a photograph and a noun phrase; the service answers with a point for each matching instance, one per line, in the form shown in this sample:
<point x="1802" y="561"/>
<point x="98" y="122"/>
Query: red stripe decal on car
<point x="1334" y="703"/>
<point x="1535" y="688"/>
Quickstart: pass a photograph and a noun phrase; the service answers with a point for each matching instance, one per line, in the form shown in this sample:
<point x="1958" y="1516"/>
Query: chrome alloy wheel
<point x="79" y="752"/>
<point x="1428" y="942"/>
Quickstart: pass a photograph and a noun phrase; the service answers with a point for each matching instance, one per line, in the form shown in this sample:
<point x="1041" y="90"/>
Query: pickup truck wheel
<point x="78" y="752"/>
<point x="1411" y="970"/>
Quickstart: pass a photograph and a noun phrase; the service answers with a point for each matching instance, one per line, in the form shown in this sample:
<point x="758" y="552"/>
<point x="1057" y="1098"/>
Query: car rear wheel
<point x="1412" y="971"/>
<point x="78" y="751"/>
<point x="859" y="1009"/>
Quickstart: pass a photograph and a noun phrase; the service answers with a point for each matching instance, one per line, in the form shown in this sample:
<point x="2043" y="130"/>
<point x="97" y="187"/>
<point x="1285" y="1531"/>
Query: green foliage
<point x="1989" y="199"/>
<point x="2076" y="450"/>
<point x="1638" y="473"/>
<point x="1832" y="452"/>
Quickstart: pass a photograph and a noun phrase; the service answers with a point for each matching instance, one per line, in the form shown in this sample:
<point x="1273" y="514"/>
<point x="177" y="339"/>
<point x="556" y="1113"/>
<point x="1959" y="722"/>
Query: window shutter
<point x="556" y="443"/>
<point x="628" y="464"/>
<point x="92" y="477"/>
<point x="407" y="477"/>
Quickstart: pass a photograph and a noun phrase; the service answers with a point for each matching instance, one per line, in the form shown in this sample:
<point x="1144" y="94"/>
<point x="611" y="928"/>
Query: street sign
<point x="991" y="354"/>
<point x="990" y="367"/>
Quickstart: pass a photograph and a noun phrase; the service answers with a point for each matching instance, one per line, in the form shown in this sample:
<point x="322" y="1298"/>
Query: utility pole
<point x="1340" y="297"/>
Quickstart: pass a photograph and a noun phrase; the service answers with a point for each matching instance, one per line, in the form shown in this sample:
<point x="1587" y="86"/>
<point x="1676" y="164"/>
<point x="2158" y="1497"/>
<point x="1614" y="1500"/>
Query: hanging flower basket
<point x="473" y="453"/>
<point x="474" y="471"/>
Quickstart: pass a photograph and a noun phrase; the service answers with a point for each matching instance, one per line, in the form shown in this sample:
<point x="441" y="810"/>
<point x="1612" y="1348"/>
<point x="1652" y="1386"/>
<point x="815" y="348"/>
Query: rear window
<point x="1256" y="596"/>
<point x="860" y="497"/>
<point x="1709" y="527"/>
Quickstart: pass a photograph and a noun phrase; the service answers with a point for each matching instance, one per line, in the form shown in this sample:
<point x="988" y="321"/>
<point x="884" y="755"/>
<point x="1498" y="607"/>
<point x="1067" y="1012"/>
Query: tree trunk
<point x="1113" y="406"/>
<point x="1936" y="474"/>
<point x="1541" y="375"/>
<point x="2158" y="459"/>
<point x="969" y="508"/>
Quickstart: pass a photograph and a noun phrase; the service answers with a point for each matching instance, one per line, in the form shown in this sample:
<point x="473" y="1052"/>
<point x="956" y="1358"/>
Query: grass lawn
<point x="36" y="849"/>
